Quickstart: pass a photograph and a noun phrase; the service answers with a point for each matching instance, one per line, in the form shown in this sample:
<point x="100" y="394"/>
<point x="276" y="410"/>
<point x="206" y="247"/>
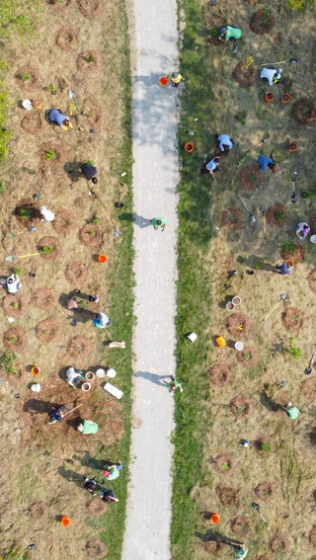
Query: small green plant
<point x="225" y="467"/>
<point x="90" y="58"/>
<point x="214" y="33"/>
<point x="288" y="246"/>
<point x="266" y="447"/>
<point x="32" y="171"/>
<point x="243" y="159"/>
<point x="13" y="339"/>
<point x="266" y="15"/>
<point x="91" y="232"/>
<point x="240" y="410"/>
<point x="96" y="221"/>
<point x="267" y="495"/>
<point x="47" y="250"/>
<point x="246" y="355"/>
<point x="17" y="271"/>
<point x="25" y="76"/>
<point x="7" y="363"/>
<point x="241" y="117"/>
<point x="52" y="88"/>
<point x="259" y="264"/>
<point x="233" y="219"/>
<point x="14" y="304"/>
<point x="296" y="4"/>
<point x="296" y="352"/>
<point x="307" y="194"/>
<point x="43" y="332"/>
<point x="279" y="216"/>
<point x="296" y="317"/>
<point x="50" y="154"/>
<point x="25" y="212"/>
<point x="66" y="466"/>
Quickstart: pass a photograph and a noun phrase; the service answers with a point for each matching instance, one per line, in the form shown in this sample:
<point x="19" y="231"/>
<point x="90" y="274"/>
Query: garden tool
<point x="30" y="229"/>
<point x="10" y="258"/>
<point x="282" y="384"/>
<point x="263" y="141"/>
<point x="251" y="216"/>
<point x="72" y="95"/>
<point x="73" y="323"/>
<point x="291" y="61"/>
<point x="309" y="369"/>
<point x="263" y="210"/>
<point x="257" y="508"/>
<point x="282" y="297"/>
<point x="73" y="409"/>
<point x="293" y="197"/>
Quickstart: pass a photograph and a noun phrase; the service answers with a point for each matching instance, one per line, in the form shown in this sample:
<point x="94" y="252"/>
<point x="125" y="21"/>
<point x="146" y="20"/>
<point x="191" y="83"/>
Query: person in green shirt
<point x="240" y="552"/>
<point x="115" y="471"/>
<point x="229" y="33"/>
<point x="291" y="410"/>
<point x="173" y="385"/>
<point x="159" y="222"/>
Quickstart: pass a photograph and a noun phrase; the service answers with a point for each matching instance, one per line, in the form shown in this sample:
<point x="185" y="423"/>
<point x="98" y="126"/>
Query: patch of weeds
<point x="47" y="250"/>
<point x="18" y="18"/>
<point x="295" y="352"/>
<point x="259" y="264"/>
<point x="7" y="362"/>
<point x="288" y="246"/>
<point x="296" y="5"/>
<point x="90" y="58"/>
<point x="14" y="554"/>
<point x="5" y="135"/>
<point x="279" y="216"/>
<point x="241" y="117"/>
<point x="50" y="155"/>
<point x="266" y="447"/>
<point x="52" y="88"/>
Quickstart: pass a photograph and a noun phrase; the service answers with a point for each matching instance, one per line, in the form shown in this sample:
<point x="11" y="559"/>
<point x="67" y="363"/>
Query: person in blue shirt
<point x="212" y="166"/>
<point x="101" y="321"/>
<point x="56" y="116"/>
<point x="284" y="268"/>
<point x="265" y="162"/>
<point x="225" y="142"/>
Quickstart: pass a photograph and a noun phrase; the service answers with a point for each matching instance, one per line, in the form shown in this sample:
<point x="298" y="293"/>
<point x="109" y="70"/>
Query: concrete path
<point x="155" y="174"/>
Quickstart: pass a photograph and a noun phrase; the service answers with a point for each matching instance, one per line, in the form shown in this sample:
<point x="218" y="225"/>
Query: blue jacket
<point x="263" y="162"/>
<point x="225" y="139"/>
<point x="57" y="117"/>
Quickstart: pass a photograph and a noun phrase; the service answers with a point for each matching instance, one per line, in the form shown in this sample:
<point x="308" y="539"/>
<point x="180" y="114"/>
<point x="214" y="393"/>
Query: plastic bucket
<point x="27" y="104"/>
<point x="111" y="373"/>
<point x="230" y="306"/>
<point x="285" y="97"/>
<point x="313" y="238"/>
<point x="65" y="521"/>
<point x="100" y="372"/>
<point x="102" y="258"/>
<point x="192" y="336"/>
<point x="164" y="80"/>
<point x="269" y="97"/>
<point x="215" y="518"/>
<point x="293" y="147"/>
<point x="35" y="370"/>
<point x="37" y="103"/>
<point x="189" y="147"/>
<point x="36" y="387"/>
<point x="89" y="376"/>
<point x="239" y="346"/>
<point x="290" y="264"/>
<point x="221" y="342"/>
<point x="86" y="387"/>
<point x="236" y="300"/>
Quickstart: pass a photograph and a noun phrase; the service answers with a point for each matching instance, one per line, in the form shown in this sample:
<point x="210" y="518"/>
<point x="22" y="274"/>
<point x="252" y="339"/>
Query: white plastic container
<point x="89" y="376"/>
<point x="238" y="300"/>
<point x="230" y="306"/>
<point x="27" y="104"/>
<point x="192" y="336"/>
<point x="100" y="372"/>
<point x="36" y="387"/>
<point x="113" y="390"/>
<point x="86" y="387"/>
<point x="239" y="346"/>
<point x="313" y="238"/>
<point x="111" y="373"/>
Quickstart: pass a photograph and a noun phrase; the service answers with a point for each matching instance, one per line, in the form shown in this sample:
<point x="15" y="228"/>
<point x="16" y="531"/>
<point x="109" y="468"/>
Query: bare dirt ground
<point x="42" y="465"/>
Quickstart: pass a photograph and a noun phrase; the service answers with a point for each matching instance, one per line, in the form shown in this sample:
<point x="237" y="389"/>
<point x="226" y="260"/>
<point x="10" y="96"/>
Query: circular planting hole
<point x="241" y="525"/>
<point x="292" y="319"/>
<point x="39" y="298"/>
<point x="79" y="202"/>
<point x="48" y="330"/>
<point x="51" y="247"/>
<point x="224" y="464"/>
<point x="228" y="497"/>
<point x="28" y="78"/>
<point x="241" y="406"/>
<point x="247" y="357"/>
<point x="27" y="212"/>
<point x="96" y="549"/>
<point x="66" y="38"/>
<point x="262" y="21"/>
<point x="76" y="273"/>
<point x="263" y="445"/>
<point x="232" y="218"/>
<point x="97" y="507"/>
<point x="303" y="111"/>
<point x="213" y="38"/>
<point x="291" y="252"/>
<point x="14" y="306"/>
<point x="245" y="75"/>
<point x="89" y="62"/>
<point x="214" y="547"/>
<point x="64" y="222"/>
<point x="266" y="491"/>
<point x="34" y="123"/>
<point x="280" y="543"/>
<point x="79" y="346"/>
<point x="91" y="235"/>
<point x="38" y="509"/>
<point x="238" y="325"/>
<point x="15" y="340"/>
<point x="52" y="154"/>
<point x="94" y="116"/>
<point x="91" y="9"/>
<point x="250" y="177"/>
<point x="308" y="389"/>
<point x="219" y="375"/>
<point x="276" y="215"/>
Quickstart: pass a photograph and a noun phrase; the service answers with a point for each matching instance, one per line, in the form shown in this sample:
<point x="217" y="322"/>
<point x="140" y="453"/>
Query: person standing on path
<point x="284" y="268"/>
<point x="115" y="471"/>
<point x="89" y="171"/>
<point x="173" y="385"/>
<point x="175" y="78"/>
<point x="291" y="410"/>
<point x="159" y="222"/>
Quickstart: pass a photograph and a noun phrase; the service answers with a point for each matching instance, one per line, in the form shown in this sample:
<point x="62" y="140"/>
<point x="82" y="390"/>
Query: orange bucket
<point x="293" y="147"/>
<point x="290" y="264"/>
<point x="35" y="370"/>
<point x="215" y="518"/>
<point x="37" y="103"/>
<point x="65" y="521"/>
<point x="189" y="147"/>
<point x="285" y="97"/>
<point x="221" y="342"/>
<point x="269" y="97"/>
<point x="102" y="258"/>
<point x="164" y="81"/>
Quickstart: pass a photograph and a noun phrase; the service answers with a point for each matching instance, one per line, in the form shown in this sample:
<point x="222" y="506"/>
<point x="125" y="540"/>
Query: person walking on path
<point x="302" y="230"/>
<point x="175" y="78"/>
<point x="291" y="410"/>
<point x="115" y="471"/>
<point x="173" y="385"/>
<point x="101" y="321"/>
<point x="56" y="116"/>
<point x="159" y="222"/>
<point x="108" y="496"/>
<point x="74" y="377"/>
<point x="284" y="268"/>
<point x="56" y="413"/>
<point x="229" y="33"/>
<point x="265" y="162"/>
<point x="225" y="143"/>
<point x="89" y="171"/>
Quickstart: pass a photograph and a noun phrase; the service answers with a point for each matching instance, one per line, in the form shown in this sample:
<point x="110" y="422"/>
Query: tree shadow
<point x="153" y="377"/>
<point x="140" y="221"/>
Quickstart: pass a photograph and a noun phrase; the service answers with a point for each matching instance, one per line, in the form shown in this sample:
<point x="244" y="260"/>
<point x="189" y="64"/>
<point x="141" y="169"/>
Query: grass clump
<point x="266" y="447"/>
<point x="7" y="362"/>
<point x="295" y="352"/>
<point x="279" y="216"/>
<point x="50" y="155"/>
<point x="288" y="246"/>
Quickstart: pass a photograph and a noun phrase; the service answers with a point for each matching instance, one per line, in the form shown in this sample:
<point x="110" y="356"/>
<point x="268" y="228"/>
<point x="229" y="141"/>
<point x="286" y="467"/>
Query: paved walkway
<point x="155" y="172"/>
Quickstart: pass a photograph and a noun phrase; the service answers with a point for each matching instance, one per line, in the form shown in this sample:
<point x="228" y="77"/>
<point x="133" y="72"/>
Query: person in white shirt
<point x="271" y="74"/>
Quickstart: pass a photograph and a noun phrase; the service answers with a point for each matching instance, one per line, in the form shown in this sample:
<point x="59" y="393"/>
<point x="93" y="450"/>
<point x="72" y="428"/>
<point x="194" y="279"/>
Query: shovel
<point x="251" y="216"/>
<point x="282" y="297"/>
<point x="293" y="197"/>
<point x="309" y="369"/>
<point x="30" y="229"/>
<point x="263" y="141"/>
<point x="291" y="61"/>
<point x="282" y="384"/>
<point x="10" y="258"/>
<point x="73" y="323"/>
<point x="257" y="507"/>
<point x="72" y="95"/>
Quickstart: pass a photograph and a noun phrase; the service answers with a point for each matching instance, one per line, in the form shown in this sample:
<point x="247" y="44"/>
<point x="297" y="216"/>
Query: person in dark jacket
<point x="89" y="171"/>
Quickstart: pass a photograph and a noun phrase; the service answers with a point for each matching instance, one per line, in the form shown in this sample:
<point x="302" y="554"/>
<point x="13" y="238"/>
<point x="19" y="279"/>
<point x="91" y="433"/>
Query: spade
<point x="31" y="229"/>
<point x="251" y="216"/>
<point x="293" y="197"/>
<point x="309" y="369"/>
<point x="291" y="61"/>
<point x="282" y="298"/>
<point x="73" y="323"/>
<point x="257" y="508"/>
<point x="282" y="384"/>
<point x="72" y="95"/>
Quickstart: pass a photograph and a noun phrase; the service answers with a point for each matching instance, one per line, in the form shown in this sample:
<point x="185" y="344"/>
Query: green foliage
<point x="96" y="221"/>
<point x="259" y="264"/>
<point x="13" y="339"/>
<point x="12" y="21"/>
<point x="17" y="271"/>
<point x="225" y="467"/>
<point x="25" y="76"/>
<point x="50" y="155"/>
<point x="52" y="88"/>
<point x="14" y="304"/>
<point x="288" y="246"/>
<point x="7" y="362"/>
<point x="296" y="4"/>
<point x="266" y="447"/>
<point x="266" y="15"/>
<point x="296" y="352"/>
<point x="214" y="33"/>
<point x="47" y="250"/>
<point x="241" y="117"/>
<point x="25" y="213"/>
<point x="91" y="232"/>
<point x="279" y="216"/>
<point x="307" y="194"/>
<point x="243" y="159"/>
<point x="90" y="58"/>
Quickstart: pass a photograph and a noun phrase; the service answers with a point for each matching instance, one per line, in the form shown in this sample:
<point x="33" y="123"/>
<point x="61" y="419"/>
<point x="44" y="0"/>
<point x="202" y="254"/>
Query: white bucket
<point x="100" y="372"/>
<point x="192" y="336"/>
<point x="86" y="387"/>
<point x="111" y="372"/>
<point x="230" y="306"/>
<point x="36" y="387"/>
<point x="89" y="376"/>
<point x="27" y="104"/>
<point x="313" y="238"/>
<point x="239" y="346"/>
<point x="238" y="302"/>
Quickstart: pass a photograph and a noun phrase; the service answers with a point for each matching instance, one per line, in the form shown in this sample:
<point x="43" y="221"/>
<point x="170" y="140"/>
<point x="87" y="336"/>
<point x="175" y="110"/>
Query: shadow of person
<point x="270" y="406"/>
<point x="34" y="406"/>
<point x="153" y="377"/>
<point x="92" y="462"/>
<point x="72" y="168"/>
<point x="71" y="476"/>
<point x="140" y="221"/>
<point x="151" y="80"/>
<point x="212" y="535"/>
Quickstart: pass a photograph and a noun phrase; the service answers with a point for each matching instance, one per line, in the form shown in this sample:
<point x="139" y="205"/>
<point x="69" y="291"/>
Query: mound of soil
<point x="276" y="215"/>
<point x="66" y="38"/>
<point x="79" y="346"/>
<point x="241" y="525"/>
<point x="266" y="491"/>
<point x="87" y="67"/>
<point x="280" y="543"/>
<point x="214" y="41"/>
<point x="33" y="82"/>
<point x="238" y="325"/>
<point x="38" y="509"/>
<point x="96" y="507"/>
<point x="15" y="340"/>
<point x="224" y="464"/>
<point x="246" y="77"/>
<point x="91" y="9"/>
<point x="214" y="547"/>
<point x="229" y="496"/>
<point x="312" y="435"/>
<point x="57" y="149"/>
<point x="91" y="235"/>
<point x="95" y="117"/>
<point x="79" y="202"/>
<point x="64" y="222"/>
<point x="96" y="549"/>
<point x="247" y="357"/>
<point x="27" y="204"/>
<point x="34" y="123"/>
<point x="308" y="389"/>
<point x="261" y="22"/>
<point x="76" y="273"/>
<point x="14" y="306"/>
<point x="232" y="218"/>
<point x="312" y="280"/>
<point x="55" y="244"/>
<point x="250" y="177"/>
<point x="48" y="330"/>
<point x="241" y="406"/>
<point x="303" y="111"/>
<point x="263" y="445"/>
<point x="219" y="375"/>
<point x="39" y="298"/>
<point x="292" y="319"/>
<point x="296" y="256"/>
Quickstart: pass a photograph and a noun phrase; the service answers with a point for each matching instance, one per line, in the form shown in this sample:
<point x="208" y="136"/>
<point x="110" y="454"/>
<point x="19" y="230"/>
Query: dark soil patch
<point x="261" y="22"/>
<point x="312" y="280"/>
<point x="219" y="375"/>
<point x="29" y="205"/>
<point x="238" y="325"/>
<point x="91" y="67"/>
<point x="232" y="218"/>
<point x="241" y="406"/>
<point x="228" y="497"/>
<point x="312" y="536"/>
<point x="64" y="222"/>
<point x="39" y="298"/>
<point x="55" y="244"/>
<point x="66" y="4"/>
<point x="76" y="273"/>
<point x="296" y="256"/>
<point x="224" y="464"/>
<point x="214" y="547"/>
<point x="266" y="491"/>
<point x="91" y="9"/>
<point x="312" y="224"/>
<point x="246" y="77"/>
<point x="57" y="149"/>
<point x="303" y="111"/>
<point x="96" y="549"/>
<point x="34" y="81"/>
<point x="263" y="445"/>
<point x="312" y="435"/>
<point x="79" y="346"/>
<point x="247" y="357"/>
<point x="280" y="543"/>
<point x="95" y="117"/>
<point x="79" y="202"/>
<point x="214" y="41"/>
<point x="91" y="235"/>
<point x="293" y="319"/>
<point x="15" y="340"/>
<point x="308" y="389"/>
<point x="14" y="306"/>
<point x="276" y="215"/>
<point x="66" y="38"/>
<point x="97" y="507"/>
<point x="38" y="509"/>
<point x="250" y="177"/>
<point x="48" y="330"/>
<point x="34" y="123"/>
<point x="241" y="525"/>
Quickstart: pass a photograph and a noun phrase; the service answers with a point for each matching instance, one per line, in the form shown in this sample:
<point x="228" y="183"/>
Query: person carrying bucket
<point x="89" y="172"/>
<point x="229" y="33"/>
<point x="302" y="230"/>
<point x="56" y="116"/>
<point x="285" y="268"/>
<point x="173" y="385"/>
<point x="159" y="222"/>
<point x="101" y="321"/>
<point x="74" y="377"/>
<point x="291" y="410"/>
<point x="115" y="471"/>
<point x="212" y="166"/>
<point x="265" y="162"/>
<point x="175" y="78"/>
<point x="56" y="413"/>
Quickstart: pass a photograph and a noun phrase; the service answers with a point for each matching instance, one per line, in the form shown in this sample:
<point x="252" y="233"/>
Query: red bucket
<point x="65" y="521"/>
<point x="189" y="147"/>
<point x="164" y="80"/>
<point x="102" y="258"/>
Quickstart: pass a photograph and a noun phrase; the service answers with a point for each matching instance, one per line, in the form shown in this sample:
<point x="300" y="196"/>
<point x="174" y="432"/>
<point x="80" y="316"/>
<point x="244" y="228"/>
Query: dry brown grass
<point x="48" y="330"/>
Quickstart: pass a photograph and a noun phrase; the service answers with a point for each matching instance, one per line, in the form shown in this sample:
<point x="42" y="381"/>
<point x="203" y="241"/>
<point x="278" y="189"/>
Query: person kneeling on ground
<point x="108" y="496"/>
<point x="101" y="321"/>
<point x="74" y="375"/>
<point x="115" y="471"/>
<point x="291" y="410"/>
<point x="175" y="78"/>
<point x="89" y="171"/>
<point x="302" y="230"/>
<point x="229" y="33"/>
<point x="56" y="116"/>
<point x="88" y="427"/>
<point x="284" y="268"/>
<point x="56" y="413"/>
<point x="76" y="304"/>
<point x="265" y="162"/>
<point x="89" y="484"/>
<point x="225" y="143"/>
<point x="271" y="74"/>
<point x="212" y="166"/>
<point x="241" y="551"/>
